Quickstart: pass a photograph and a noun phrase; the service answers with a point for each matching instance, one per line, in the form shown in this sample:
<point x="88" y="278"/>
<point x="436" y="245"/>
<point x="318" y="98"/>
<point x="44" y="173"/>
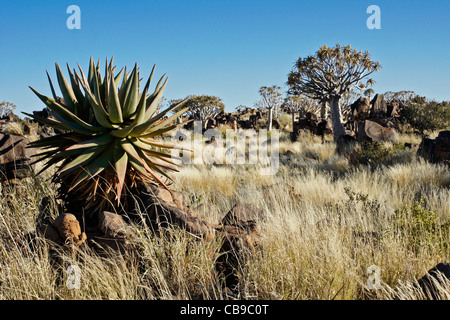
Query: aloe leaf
<point x="66" y="89"/>
<point x="115" y="110"/>
<point x="51" y="85"/>
<point x="83" y="159"/>
<point x="152" y="102"/>
<point x="98" y="141"/>
<point x="120" y="164"/>
<point x="130" y="103"/>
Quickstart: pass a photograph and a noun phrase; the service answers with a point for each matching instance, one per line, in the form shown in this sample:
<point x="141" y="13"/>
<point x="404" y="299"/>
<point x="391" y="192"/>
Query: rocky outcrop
<point x="436" y="277"/>
<point x="379" y="107"/>
<point x="241" y="241"/>
<point x="15" y="157"/>
<point x="374" y="132"/>
<point x="436" y="150"/>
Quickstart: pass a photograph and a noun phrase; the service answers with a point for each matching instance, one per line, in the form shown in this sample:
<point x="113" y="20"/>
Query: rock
<point x="275" y="124"/>
<point x="69" y="229"/>
<point x="240" y="242"/>
<point x="436" y="150"/>
<point x="243" y="212"/>
<point x="374" y="132"/>
<point x="104" y="245"/>
<point x="437" y="275"/>
<point x="311" y="116"/>
<point x="442" y="146"/>
<point x="15" y="157"/>
<point x="113" y="225"/>
<point x="31" y="130"/>
<point x="360" y="109"/>
<point x="412" y="146"/>
<point x="426" y="149"/>
<point x="49" y="232"/>
<point x="161" y="212"/>
<point x="379" y="106"/>
<point x="393" y="109"/>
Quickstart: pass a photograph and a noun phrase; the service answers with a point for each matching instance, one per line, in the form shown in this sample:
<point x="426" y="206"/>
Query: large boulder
<point x="15" y="157"/>
<point x="241" y="241"/>
<point x="162" y="211"/>
<point x="442" y="146"/>
<point x="360" y="109"/>
<point x="374" y="132"/>
<point x="436" y="150"/>
<point x="69" y="229"/>
<point x="379" y="106"/>
<point x="435" y="278"/>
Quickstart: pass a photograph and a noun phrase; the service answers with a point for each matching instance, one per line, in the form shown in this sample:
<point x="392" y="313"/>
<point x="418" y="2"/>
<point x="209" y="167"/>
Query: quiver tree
<point x="202" y="108"/>
<point x="328" y="75"/>
<point x="271" y="99"/>
<point x="299" y="104"/>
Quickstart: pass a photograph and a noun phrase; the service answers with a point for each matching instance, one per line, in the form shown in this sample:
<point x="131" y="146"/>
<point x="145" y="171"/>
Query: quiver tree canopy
<point x="329" y="74"/>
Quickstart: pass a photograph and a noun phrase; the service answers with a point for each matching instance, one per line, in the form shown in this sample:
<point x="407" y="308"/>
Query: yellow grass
<point x="312" y="238"/>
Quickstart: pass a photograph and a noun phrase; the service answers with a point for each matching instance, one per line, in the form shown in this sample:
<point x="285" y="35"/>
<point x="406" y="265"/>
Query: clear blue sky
<point x="227" y="48"/>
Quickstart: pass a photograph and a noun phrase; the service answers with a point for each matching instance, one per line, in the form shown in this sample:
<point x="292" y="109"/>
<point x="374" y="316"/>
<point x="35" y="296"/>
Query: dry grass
<point x="316" y="237"/>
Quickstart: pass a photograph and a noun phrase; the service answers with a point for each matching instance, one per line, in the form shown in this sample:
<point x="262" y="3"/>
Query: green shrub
<point x="421" y="227"/>
<point x="374" y="155"/>
<point x="426" y="116"/>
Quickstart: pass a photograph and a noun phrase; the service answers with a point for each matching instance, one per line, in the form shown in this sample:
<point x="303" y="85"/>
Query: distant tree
<point x="300" y="104"/>
<point x="7" y="109"/>
<point x="202" y="108"/>
<point x="426" y="116"/>
<point x="400" y="96"/>
<point x="161" y="105"/>
<point x="241" y="108"/>
<point x="369" y="92"/>
<point x="328" y="75"/>
<point x="271" y="99"/>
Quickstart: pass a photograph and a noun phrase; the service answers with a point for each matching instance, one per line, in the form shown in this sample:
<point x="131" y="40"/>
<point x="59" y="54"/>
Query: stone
<point x="243" y="212"/>
<point x="374" y="132"/>
<point x="442" y="146"/>
<point x="440" y="273"/>
<point x="161" y="212"/>
<point x="427" y="149"/>
<point x="113" y="225"/>
<point x="240" y="242"/>
<point x="379" y="106"/>
<point x="360" y="109"/>
<point x="49" y="232"/>
<point x="15" y="157"/>
<point x="393" y="109"/>
<point x="31" y="130"/>
<point x="69" y="229"/>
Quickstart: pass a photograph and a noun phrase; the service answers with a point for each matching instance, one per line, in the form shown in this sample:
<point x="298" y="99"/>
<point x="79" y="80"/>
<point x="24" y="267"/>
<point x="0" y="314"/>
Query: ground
<point x="327" y="223"/>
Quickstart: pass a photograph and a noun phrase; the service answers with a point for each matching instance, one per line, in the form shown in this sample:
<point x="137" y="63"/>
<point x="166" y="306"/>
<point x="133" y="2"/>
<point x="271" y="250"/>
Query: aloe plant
<point x="108" y="135"/>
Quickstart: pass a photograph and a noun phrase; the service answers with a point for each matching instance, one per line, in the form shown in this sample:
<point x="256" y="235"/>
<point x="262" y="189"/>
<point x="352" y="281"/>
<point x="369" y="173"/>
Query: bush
<point x="374" y="155"/>
<point x="426" y="116"/>
<point x="421" y="226"/>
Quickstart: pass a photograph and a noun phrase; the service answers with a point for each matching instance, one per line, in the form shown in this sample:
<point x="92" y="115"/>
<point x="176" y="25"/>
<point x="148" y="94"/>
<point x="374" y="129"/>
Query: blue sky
<point x="227" y="48"/>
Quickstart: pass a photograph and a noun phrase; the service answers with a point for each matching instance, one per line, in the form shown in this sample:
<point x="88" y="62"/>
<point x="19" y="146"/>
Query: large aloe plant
<point x="108" y="135"/>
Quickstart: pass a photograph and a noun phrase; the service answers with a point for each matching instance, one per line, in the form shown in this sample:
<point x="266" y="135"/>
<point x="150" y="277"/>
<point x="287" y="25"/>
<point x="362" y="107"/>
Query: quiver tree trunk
<point x="323" y="110"/>
<point x="336" y="118"/>
<point x="269" y="121"/>
<point x="293" y="122"/>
